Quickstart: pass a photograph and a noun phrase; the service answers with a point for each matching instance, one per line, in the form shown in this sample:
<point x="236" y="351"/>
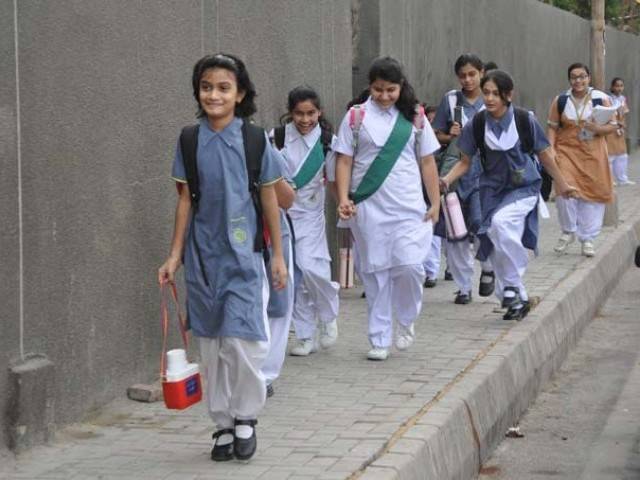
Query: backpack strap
<point x="254" y="141"/>
<point x="457" y="111"/>
<point x="479" y="122"/>
<point x="278" y="137"/>
<point x="523" y="125"/>
<point x="189" y="148"/>
<point x="356" y="117"/>
<point x="419" y="121"/>
<point x="596" y="101"/>
<point x="562" y="103"/>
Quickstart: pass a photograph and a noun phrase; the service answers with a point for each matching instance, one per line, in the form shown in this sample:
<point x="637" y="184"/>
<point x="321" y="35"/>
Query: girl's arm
<point x="269" y="201"/>
<point x="548" y="160"/>
<point x="429" y="173"/>
<point x="166" y="273"/>
<point x="344" y="164"/>
<point x="458" y="170"/>
<point x="553" y="123"/>
<point x="285" y="194"/>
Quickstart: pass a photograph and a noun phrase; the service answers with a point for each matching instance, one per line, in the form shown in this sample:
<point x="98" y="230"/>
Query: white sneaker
<point x="406" y="336"/>
<point x="378" y="354"/>
<point x="328" y="333"/>
<point x="564" y="241"/>
<point x="628" y="182"/>
<point x="302" y="348"/>
<point x="587" y="249"/>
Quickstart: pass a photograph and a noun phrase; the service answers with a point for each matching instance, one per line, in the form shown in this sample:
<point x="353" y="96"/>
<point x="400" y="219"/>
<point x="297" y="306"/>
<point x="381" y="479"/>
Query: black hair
<point x="502" y="80"/>
<point x="247" y="106"/>
<point x="468" y="59"/>
<point x="429" y="108"/>
<point x="613" y="82"/>
<point x="390" y="70"/>
<point x="490" y="66"/>
<point x="360" y="98"/>
<point x="573" y="66"/>
<point x="303" y="93"/>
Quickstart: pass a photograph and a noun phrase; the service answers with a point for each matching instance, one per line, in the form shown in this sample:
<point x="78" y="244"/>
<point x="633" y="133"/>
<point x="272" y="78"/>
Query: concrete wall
<point x="105" y="87"/>
<point x="533" y="41"/>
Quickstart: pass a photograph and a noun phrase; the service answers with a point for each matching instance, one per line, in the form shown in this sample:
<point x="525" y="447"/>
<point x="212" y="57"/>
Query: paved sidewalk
<point x="333" y="412"/>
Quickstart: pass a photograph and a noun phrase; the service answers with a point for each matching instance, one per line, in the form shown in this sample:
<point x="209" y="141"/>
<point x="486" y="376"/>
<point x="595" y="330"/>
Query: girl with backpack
<point x="507" y="138"/>
<point x="616" y="142"/>
<point x="382" y="160"/>
<point x="457" y="108"/>
<point x="304" y="141"/>
<point x="218" y="235"/>
<point x="581" y="151"/>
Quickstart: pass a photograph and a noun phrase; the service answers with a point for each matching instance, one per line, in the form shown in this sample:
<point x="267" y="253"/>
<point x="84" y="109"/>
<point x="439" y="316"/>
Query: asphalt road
<point x="585" y="424"/>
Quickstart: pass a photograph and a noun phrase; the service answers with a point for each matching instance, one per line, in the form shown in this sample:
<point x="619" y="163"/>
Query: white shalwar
<point x="432" y="263"/>
<point x="235" y="385"/>
<point x="389" y="227"/>
<point x="279" y="327"/>
<point x="316" y="297"/>
<point x="581" y="217"/>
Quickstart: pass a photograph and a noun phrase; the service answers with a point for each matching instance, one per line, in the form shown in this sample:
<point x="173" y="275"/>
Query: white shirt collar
<point x="292" y="134"/>
<point x="372" y="106"/>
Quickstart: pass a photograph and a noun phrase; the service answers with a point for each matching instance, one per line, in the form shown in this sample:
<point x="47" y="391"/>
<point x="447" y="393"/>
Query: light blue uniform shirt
<point x="225" y="225"/>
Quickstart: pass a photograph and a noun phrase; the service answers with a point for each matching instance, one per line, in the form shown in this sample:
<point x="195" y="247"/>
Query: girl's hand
<point x="346" y="210"/>
<point x="432" y="214"/>
<point x="455" y="129"/>
<point x="591" y="126"/>
<point x="167" y="272"/>
<point x="444" y="185"/>
<point x="278" y="272"/>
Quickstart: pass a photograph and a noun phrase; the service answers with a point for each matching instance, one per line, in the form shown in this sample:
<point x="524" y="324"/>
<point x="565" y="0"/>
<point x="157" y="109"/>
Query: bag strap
<point x="356" y="117"/>
<point x="278" y="137"/>
<point x="457" y="111"/>
<point x="189" y="149"/>
<point x="523" y="125"/>
<point x="562" y="103"/>
<point x="479" y="122"/>
<point x="164" y="323"/>
<point x="253" y="138"/>
<point x="419" y="121"/>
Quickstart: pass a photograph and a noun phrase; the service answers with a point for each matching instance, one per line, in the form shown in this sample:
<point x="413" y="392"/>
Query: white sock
<point x="225" y="439"/>
<point x="509" y="294"/>
<point x="244" y="431"/>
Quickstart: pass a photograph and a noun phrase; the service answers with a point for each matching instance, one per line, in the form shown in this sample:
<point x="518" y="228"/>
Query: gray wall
<point x="105" y="87"/>
<point x="533" y="41"/>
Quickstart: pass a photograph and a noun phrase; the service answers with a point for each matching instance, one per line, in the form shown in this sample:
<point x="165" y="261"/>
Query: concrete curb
<point x="451" y="437"/>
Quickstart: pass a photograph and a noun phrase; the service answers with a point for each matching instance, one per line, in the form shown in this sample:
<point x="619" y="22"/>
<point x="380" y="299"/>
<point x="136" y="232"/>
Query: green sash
<point x="310" y="167"/>
<point x="381" y="166"/>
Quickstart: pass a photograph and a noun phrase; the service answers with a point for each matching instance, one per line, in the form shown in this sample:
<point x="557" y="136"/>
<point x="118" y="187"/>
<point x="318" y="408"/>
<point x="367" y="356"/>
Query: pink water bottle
<point x="454" y="220"/>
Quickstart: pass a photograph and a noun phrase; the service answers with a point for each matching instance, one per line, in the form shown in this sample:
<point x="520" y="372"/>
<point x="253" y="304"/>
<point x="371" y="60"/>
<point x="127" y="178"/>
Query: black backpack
<point x="325" y="139"/>
<point x="253" y="138"/>
<point x="522" y="125"/>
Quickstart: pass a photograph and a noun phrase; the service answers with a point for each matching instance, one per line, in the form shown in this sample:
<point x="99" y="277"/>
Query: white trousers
<point x="395" y="290"/>
<point x="619" y="165"/>
<point x="235" y="385"/>
<point x="316" y="297"/>
<point x="461" y="262"/>
<point x="432" y="262"/>
<point x="509" y="257"/>
<point x="580" y="217"/>
<point x="279" y="327"/>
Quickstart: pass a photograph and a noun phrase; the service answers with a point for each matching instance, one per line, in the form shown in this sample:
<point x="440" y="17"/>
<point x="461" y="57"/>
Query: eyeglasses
<point x="575" y="78"/>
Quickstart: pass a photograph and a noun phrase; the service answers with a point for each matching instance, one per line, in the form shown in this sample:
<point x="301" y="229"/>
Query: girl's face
<point x="618" y="87"/>
<point x="385" y="93"/>
<point x="219" y="93"/>
<point x="469" y="78"/>
<point x="579" y="80"/>
<point x="493" y="102"/>
<point x="305" y="116"/>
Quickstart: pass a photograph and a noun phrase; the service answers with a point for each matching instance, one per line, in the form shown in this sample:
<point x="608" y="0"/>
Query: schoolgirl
<point x="616" y="143"/>
<point x="581" y="151"/>
<point x="457" y="108"/>
<point x="218" y="242"/>
<point x="378" y="175"/>
<point x="509" y="186"/>
<point x="304" y="141"/>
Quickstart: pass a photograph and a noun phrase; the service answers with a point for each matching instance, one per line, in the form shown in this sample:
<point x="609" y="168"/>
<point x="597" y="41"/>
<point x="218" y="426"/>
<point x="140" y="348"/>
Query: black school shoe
<point x="486" y="288"/>
<point x="270" y="391"/>
<point x="447" y="275"/>
<point x="222" y="453"/>
<point x="244" y="448"/>
<point x="507" y="302"/>
<point x="462" y="298"/>
<point x="430" y="282"/>
<point x="518" y="311"/>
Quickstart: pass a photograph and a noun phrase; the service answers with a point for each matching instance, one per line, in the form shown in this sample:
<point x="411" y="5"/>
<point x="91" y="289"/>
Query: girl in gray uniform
<point x="223" y="270"/>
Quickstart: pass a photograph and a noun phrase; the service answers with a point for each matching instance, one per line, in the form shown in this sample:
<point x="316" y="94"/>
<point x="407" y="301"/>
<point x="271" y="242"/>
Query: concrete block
<point x="31" y="410"/>
<point x="145" y="393"/>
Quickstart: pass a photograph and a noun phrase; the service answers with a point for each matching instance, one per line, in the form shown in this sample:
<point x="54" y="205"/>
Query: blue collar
<point x="228" y="134"/>
<point x="501" y="125"/>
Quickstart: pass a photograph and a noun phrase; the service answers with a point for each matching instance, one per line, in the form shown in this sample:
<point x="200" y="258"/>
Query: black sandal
<point x="518" y="311"/>
<point x="244" y="448"/>
<point x="487" y="286"/>
<point x="222" y="453"/>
